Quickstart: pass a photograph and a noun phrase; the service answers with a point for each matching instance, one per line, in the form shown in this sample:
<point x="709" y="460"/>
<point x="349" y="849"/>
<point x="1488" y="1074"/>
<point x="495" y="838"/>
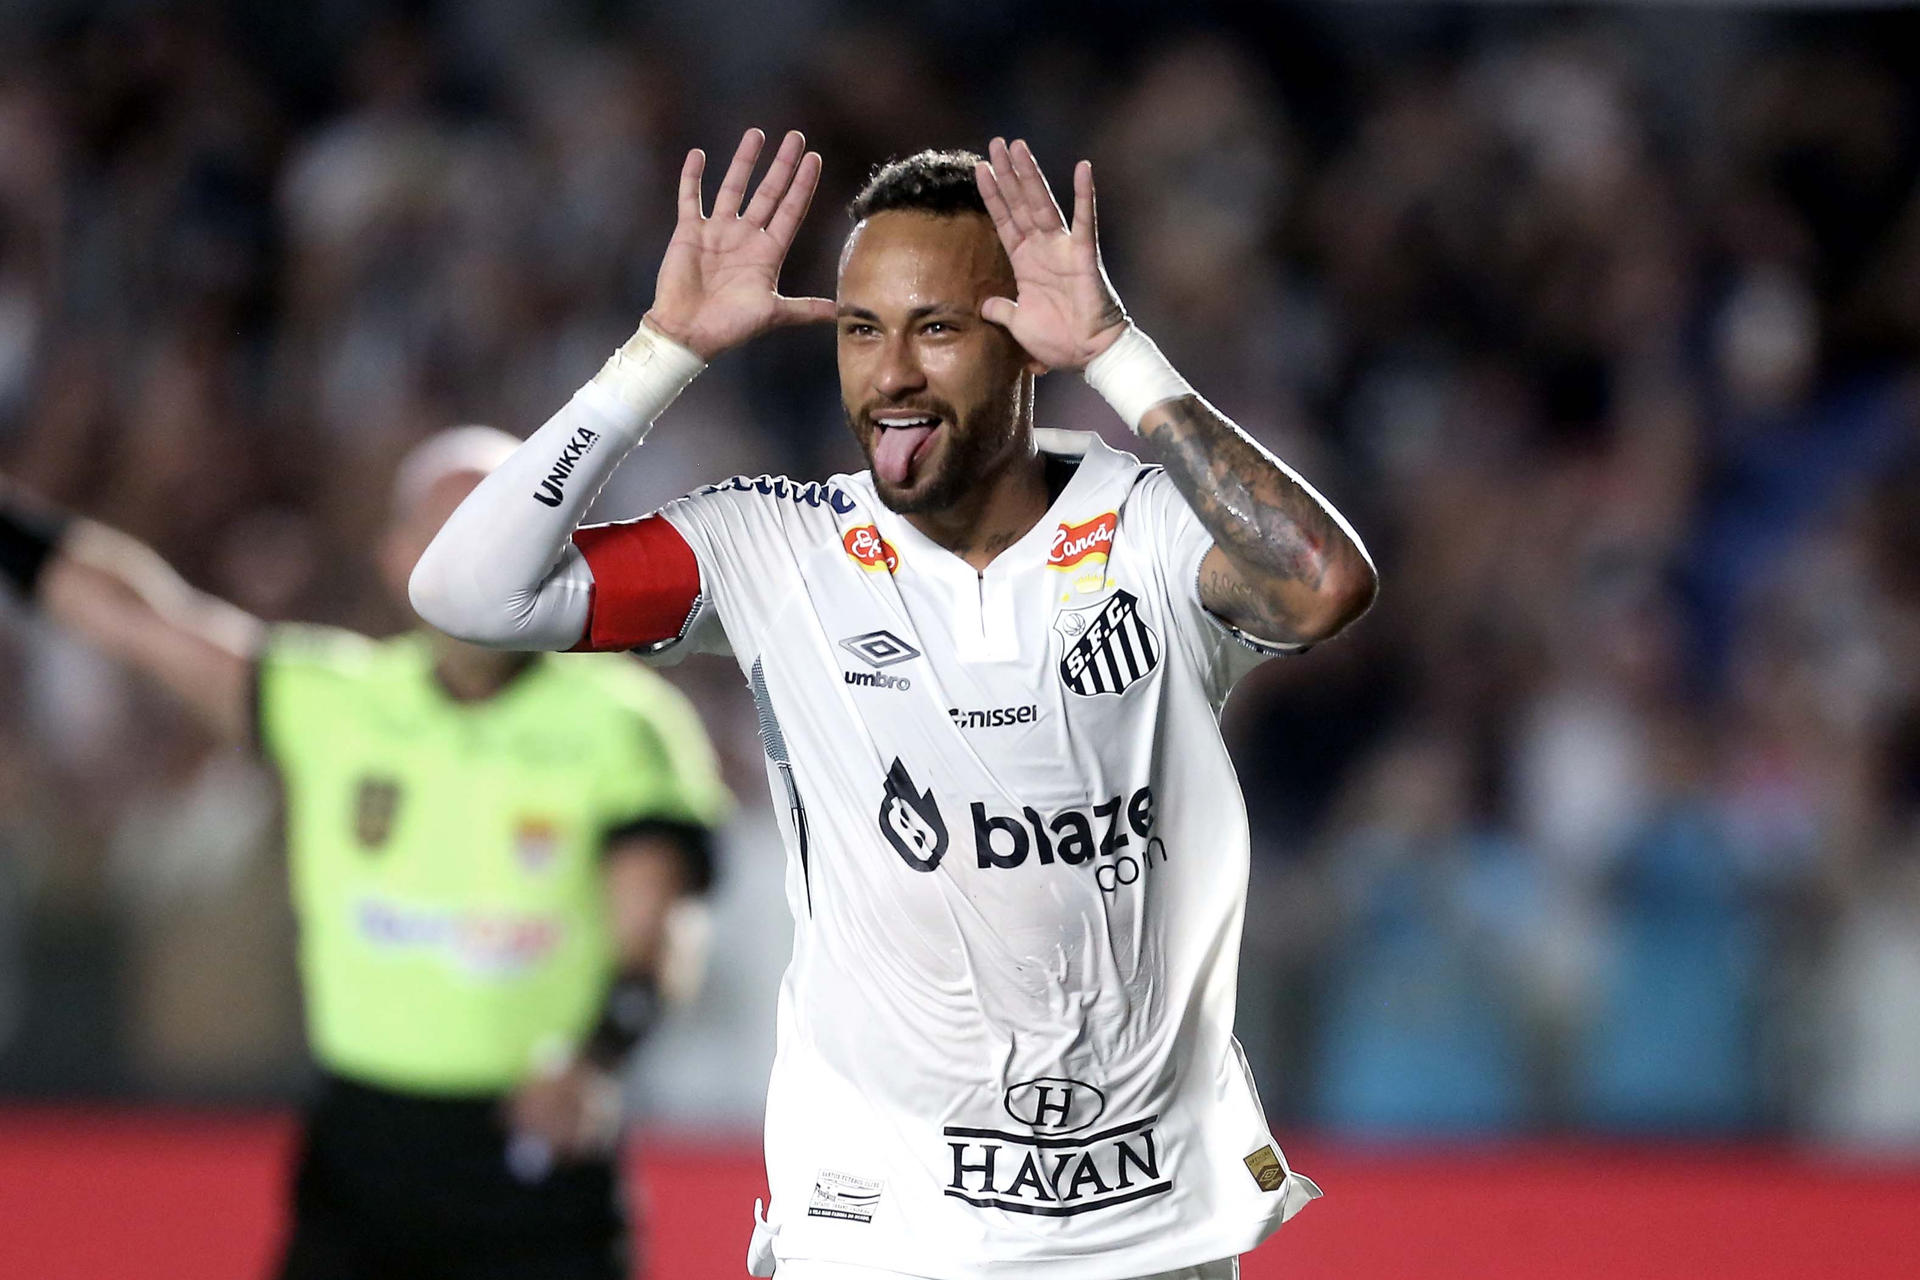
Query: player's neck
<point x="469" y="673"/>
<point x="992" y="515"/>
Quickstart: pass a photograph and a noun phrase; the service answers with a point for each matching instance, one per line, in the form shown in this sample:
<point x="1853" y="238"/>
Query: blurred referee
<point x="484" y="850"/>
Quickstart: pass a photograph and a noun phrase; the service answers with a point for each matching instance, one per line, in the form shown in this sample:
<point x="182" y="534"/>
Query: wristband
<point x="29" y="537"/>
<point x="643" y="377"/>
<point x="1133" y="377"/>
<point x="630" y="1012"/>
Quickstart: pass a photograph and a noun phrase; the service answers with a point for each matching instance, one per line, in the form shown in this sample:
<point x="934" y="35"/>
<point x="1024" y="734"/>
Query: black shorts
<point x="394" y="1186"/>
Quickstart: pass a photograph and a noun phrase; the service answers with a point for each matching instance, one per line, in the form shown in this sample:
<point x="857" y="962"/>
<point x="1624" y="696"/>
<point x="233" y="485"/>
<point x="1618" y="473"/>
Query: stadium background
<point x="1584" y="934"/>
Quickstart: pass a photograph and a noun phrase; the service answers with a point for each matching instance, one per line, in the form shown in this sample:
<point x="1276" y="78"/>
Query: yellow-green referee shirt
<point x="445" y="856"/>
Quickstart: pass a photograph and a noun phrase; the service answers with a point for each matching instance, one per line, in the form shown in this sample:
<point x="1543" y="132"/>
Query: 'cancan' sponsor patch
<point x="1085" y="543"/>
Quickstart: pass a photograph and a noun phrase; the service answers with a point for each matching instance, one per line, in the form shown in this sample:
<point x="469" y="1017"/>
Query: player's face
<point x="934" y="394"/>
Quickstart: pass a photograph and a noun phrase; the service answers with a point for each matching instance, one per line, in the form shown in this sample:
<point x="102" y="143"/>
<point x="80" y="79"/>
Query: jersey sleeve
<point x="743" y="532"/>
<point x="706" y="573"/>
<point x="1179" y="542"/>
<point x="662" y="776"/>
<point x="298" y="676"/>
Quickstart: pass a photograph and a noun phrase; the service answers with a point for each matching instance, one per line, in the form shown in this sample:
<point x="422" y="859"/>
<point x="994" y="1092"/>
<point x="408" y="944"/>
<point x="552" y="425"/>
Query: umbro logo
<point x="880" y="648"/>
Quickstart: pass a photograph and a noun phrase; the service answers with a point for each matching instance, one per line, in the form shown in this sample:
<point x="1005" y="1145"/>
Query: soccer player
<point x="989" y="671"/>
<point x="484" y="850"/>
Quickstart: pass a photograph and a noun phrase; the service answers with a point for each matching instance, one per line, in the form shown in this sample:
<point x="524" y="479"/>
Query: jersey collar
<point x="1098" y="462"/>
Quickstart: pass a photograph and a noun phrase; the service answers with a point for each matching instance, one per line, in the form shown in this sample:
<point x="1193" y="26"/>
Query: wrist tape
<point x="1133" y="377"/>
<point x="643" y="377"/>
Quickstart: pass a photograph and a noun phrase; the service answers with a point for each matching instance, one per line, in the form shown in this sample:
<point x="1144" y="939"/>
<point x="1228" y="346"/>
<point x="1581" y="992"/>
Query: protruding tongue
<point x="893" y="451"/>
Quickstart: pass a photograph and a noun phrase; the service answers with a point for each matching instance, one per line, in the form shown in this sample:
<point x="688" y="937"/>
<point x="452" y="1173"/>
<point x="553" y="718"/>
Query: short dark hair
<point x="937" y="182"/>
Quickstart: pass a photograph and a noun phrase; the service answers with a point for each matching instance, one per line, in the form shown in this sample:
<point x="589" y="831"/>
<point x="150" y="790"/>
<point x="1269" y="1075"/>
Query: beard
<point x="963" y="459"/>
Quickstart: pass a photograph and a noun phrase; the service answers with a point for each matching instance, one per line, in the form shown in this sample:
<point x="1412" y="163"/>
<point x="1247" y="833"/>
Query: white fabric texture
<point x="1017" y="863"/>
<point x="503" y="571"/>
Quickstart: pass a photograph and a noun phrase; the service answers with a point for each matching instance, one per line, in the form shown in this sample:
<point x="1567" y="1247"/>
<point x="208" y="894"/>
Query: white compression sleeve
<point x="503" y="571"/>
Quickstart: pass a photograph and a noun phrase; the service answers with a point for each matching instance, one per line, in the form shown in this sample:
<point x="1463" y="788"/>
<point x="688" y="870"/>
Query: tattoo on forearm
<point x="1229" y="589"/>
<point x="1273" y="530"/>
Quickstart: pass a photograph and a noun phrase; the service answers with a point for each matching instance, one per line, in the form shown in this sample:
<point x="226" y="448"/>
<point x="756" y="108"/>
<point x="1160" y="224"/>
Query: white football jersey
<point x="1018" y="867"/>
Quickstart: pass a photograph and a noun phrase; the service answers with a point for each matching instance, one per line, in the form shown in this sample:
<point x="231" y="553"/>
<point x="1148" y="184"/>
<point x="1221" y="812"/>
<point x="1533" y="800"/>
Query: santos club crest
<point x="1108" y="645"/>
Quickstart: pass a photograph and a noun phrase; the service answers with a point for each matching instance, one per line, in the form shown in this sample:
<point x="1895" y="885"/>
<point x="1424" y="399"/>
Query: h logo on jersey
<point x="1109" y="646"/>
<point x="1055" y="1104"/>
<point x="910" y="820"/>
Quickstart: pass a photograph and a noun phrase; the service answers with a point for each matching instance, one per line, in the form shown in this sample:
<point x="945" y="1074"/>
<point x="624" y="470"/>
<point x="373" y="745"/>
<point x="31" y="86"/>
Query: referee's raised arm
<point x="502" y="572"/>
<point x="117" y="594"/>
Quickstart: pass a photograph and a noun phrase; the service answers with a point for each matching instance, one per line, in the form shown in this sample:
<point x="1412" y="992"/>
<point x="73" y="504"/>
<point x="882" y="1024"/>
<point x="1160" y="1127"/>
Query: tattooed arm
<point x="1284" y="566"/>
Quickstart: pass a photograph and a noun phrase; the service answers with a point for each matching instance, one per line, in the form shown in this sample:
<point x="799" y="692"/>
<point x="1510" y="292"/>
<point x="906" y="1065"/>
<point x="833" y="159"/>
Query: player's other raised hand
<point x="1066" y="312"/>
<point x="719" y="282"/>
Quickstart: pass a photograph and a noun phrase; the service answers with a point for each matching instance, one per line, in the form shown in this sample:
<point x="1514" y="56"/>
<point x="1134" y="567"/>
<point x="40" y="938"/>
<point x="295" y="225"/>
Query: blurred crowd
<point x="1602" y="327"/>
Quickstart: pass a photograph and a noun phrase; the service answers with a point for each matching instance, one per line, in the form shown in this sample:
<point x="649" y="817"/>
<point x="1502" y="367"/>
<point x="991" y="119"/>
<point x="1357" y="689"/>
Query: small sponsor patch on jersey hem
<point x="844" y="1196"/>
<point x="1268" y="1173"/>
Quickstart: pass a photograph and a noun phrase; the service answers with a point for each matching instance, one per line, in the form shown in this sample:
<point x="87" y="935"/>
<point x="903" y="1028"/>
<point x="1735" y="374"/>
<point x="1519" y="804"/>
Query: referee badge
<point x="536" y="843"/>
<point x="376" y="802"/>
<point x="1109" y="646"/>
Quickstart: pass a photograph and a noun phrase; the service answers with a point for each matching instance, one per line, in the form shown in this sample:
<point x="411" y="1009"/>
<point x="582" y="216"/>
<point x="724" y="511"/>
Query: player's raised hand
<point x="719" y="281"/>
<point x="1066" y="312"/>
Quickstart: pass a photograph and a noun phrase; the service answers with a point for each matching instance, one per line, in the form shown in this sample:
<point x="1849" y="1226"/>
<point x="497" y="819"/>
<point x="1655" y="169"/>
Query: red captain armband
<point x="645" y="583"/>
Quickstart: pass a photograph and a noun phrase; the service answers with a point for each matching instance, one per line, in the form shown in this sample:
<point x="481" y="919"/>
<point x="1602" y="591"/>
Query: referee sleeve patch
<point x="646" y="582"/>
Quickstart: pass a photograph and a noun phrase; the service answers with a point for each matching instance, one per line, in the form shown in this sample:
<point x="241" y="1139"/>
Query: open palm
<point x="1066" y="312"/>
<point x="719" y="281"/>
